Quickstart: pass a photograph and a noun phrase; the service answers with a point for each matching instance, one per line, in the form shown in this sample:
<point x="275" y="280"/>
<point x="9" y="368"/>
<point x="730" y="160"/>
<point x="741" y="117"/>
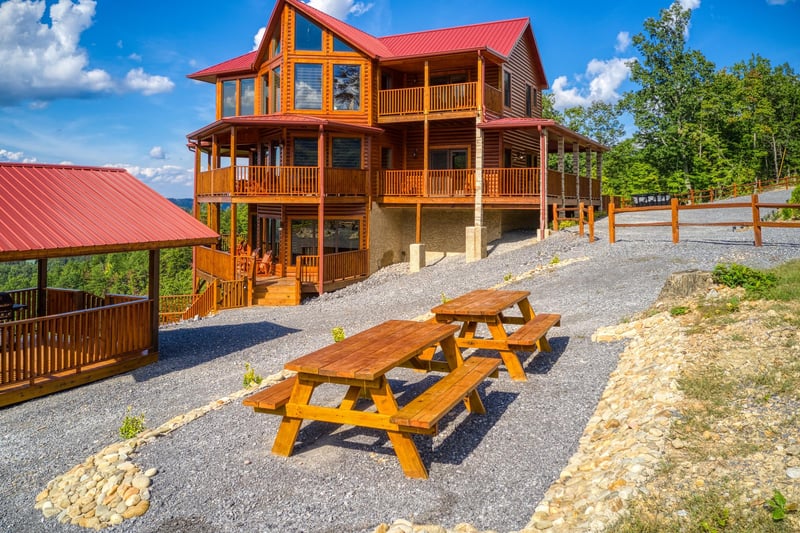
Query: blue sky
<point x="104" y="83"/>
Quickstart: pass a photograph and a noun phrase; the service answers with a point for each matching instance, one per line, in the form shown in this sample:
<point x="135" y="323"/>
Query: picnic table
<point x="487" y="306"/>
<point x="361" y="363"/>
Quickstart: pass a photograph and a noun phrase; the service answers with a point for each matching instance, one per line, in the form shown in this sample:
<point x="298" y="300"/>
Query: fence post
<point x="756" y="221"/>
<point x="675" y="223"/>
<point x="591" y="223"/>
<point x="580" y="219"/>
<point x="611" y="233"/>
<point x="555" y="217"/>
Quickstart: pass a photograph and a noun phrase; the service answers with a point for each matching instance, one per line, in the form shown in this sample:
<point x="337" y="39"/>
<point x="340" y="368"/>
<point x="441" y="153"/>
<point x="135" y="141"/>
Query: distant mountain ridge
<point x="183" y="203"/>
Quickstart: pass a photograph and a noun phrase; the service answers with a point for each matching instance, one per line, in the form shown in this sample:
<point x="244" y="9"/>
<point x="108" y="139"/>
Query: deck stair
<point x="277" y="291"/>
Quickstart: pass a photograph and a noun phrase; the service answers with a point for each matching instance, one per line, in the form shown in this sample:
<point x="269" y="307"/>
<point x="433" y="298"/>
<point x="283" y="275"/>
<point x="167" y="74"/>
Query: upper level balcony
<point x="455" y="100"/>
<point x="514" y="186"/>
<point x="280" y="183"/>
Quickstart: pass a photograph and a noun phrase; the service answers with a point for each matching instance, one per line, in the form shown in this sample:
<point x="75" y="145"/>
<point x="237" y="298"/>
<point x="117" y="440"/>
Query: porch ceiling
<point x="518" y="123"/>
<point x="282" y="121"/>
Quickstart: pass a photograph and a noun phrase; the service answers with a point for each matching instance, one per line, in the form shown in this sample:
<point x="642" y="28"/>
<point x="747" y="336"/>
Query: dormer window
<point x="308" y="36"/>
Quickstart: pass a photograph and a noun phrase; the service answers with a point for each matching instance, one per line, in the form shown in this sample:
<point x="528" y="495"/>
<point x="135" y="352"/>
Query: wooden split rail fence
<point x="675" y="208"/>
<point x="582" y="214"/>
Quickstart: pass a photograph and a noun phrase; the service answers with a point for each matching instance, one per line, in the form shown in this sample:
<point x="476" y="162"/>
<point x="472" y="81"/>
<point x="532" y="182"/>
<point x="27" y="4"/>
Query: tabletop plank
<point x="480" y="303"/>
<point x="371" y="353"/>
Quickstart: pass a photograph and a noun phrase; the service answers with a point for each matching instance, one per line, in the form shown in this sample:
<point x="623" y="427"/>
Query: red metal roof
<point x="243" y="63"/>
<point x="500" y="36"/>
<point x="59" y="210"/>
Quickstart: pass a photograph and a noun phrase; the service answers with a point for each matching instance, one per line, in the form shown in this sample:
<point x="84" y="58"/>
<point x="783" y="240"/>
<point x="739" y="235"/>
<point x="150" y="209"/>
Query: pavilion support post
<point x="153" y="295"/>
<point x="41" y="287"/>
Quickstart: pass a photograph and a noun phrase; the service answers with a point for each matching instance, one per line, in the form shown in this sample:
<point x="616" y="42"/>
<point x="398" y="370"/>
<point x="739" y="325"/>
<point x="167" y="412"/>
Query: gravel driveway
<point x="217" y="473"/>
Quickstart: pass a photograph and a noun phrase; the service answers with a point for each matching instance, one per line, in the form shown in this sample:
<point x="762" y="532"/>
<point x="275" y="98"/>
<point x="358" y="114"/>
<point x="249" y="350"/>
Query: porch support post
<point x="418" y="224"/>
<point x="41" y="287"/>
<point x="561" y="169"/>
<point x="426" y="98"/>
<point x="153" y="295"/>
<point x="589" y="171"/>
<point x="543" y="183"/>
<point x="477" y="235"/>
<point x="576" y="168"/>
<point x="599" y="175"/>
<point x="321" y="212"/>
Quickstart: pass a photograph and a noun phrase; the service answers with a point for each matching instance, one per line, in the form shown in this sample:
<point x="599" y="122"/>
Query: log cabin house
<point x="349" y="150"/>
<point x="55" y="338"/>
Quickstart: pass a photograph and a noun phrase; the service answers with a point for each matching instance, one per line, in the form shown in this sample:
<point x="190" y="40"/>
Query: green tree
<point x="672" y="81"/>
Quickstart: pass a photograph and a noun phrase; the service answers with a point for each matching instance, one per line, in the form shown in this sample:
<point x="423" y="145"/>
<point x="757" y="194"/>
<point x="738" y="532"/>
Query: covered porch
<point x="58" y="338"/>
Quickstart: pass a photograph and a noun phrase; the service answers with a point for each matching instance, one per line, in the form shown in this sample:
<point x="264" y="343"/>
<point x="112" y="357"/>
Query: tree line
<point x="696" y="126"/>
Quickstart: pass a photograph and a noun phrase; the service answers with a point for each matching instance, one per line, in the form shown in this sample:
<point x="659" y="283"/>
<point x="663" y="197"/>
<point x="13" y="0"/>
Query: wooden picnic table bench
<point x="361" y="363"/>
<point x="487" y="306"/>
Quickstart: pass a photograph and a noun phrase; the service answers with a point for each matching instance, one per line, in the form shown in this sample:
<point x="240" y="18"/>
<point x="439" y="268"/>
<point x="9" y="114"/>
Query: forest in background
<point x="696" y="127"/>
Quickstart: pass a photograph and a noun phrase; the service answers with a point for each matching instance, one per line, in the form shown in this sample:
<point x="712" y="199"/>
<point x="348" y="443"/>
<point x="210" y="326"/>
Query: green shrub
<point x="753" y="281"/>
<point x="250" y="377"/>
<point x="338" y="334"/>
<point x="679" y="310"/>
<point x="792" y="214"/>
<point x="131" y="425"/>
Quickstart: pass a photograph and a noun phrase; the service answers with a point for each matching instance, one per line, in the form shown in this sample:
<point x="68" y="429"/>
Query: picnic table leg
<point x="468" y="330"/>
<point x="290" y="427"/>
<point x="452" y="354"/>
<point x="404" y="446"/>
<point x="527" y="313"/>
<point x="514" y="367"/>
<point x="350" y="399"/>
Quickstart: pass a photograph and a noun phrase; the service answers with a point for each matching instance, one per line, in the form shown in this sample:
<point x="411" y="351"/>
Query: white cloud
<point x="160" y="176"/>
<point x="605" y="78"/>
<point x="340" y="9"/>
<point x="15" y="157"/>
<point x="135" y="57"/>
<point x="623" y="41"/>
<point x="258" y="37"/>
<point x="157" y="152"/>
<point x="689" y="4"/>
<point x="42" y="62"/>
<point x="138" y="80"/>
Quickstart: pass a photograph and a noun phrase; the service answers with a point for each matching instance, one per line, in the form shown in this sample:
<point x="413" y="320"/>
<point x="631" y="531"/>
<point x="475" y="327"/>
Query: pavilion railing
<point x="40" y="348"/>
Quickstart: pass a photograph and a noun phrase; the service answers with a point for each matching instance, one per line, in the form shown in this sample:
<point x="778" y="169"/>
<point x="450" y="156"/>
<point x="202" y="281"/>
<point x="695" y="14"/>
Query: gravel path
<point x="217" y="473"/>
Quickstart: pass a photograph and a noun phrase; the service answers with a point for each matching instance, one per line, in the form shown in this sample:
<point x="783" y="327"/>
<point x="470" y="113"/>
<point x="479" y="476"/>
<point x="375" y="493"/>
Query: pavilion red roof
<point x="59" y="210"/>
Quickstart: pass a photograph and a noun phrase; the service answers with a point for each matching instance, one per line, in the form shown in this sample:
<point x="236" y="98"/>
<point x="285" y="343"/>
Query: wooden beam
<point x="418" y="234"/>
<point x="41" y="288"/>
<point x="321" y="212"/>
<point x="154" y="267"/>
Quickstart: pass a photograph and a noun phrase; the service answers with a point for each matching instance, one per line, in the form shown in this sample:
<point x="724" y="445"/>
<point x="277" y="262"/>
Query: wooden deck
<point x="41" y="355"/>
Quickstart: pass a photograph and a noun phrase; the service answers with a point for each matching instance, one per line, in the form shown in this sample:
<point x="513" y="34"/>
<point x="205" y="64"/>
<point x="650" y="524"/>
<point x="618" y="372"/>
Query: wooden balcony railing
<point x="38" y="348"/>
<point x="443" y="98"/>
<point x="281" y="181"/>
<point x="64" y="301"/>
<point x="451" y="183"/>
<point x="453" y="97"/>
<point x="215" y="263"/>
<point x="218" y="181"/>
<point x="493" y="99"/>
<point x="400" y="183"/>
<point x="510" y="182"/>
<point x="337" y="267"/>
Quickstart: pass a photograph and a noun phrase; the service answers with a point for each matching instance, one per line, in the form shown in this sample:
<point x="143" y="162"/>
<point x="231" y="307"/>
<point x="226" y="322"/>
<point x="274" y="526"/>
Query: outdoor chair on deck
<point x="6" y="307"/>
<point x="265" y="266"/>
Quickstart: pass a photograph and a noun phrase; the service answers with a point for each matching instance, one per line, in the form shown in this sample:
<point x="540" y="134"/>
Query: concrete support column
<point x="416" y="257"/>
<point x="476" y="243"/>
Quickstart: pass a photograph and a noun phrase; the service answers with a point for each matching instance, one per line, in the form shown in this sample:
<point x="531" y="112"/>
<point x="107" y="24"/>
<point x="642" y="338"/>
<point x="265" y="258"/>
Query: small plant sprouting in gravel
<point x="779" y="507"/>
<point x="338" y="334"/>
<point x="131" y="425"/>
<point x="445" y="299"/>
<point x="555" y="260"/>
<point x="250" y="377"/>
<point x="679" y="310"/>
<point x="508" y="277"/>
